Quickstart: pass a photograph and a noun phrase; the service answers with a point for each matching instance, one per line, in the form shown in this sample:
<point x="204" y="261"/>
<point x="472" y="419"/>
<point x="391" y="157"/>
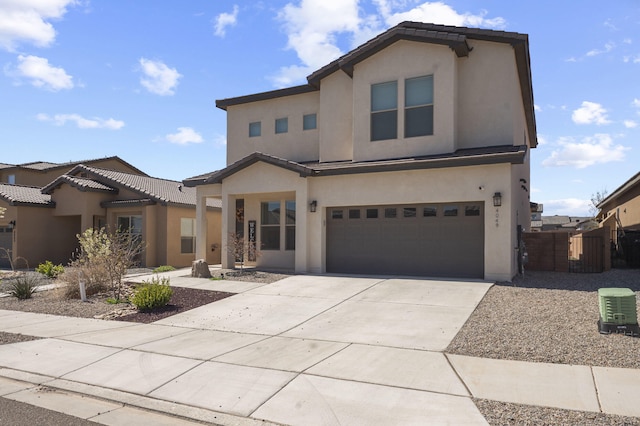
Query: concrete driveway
<point x="305" y="350"/>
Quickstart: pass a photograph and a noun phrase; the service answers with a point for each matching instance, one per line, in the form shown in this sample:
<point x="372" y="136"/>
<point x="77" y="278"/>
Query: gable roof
<point x="155" y="190"/>
<point x="622" y="189"/>
<point x="45" y="166"/>
<point x="20" y="195"/>
<point x="462" y="157"/>
<point x="453" y="37"/>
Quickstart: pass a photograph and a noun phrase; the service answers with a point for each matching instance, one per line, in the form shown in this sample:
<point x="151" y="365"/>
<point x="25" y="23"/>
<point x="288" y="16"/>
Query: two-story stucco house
<point x="408" y="155"/>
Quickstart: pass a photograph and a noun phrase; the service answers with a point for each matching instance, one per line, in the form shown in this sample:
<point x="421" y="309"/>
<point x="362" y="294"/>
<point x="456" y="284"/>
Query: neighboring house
<point x="622" y="207"/>
<point x="43" y="221"/>
<point x="408" y="155"/>
<point x="40" y="173"/>
<point x="563" y="223"/>
<point x="536" y="216"/>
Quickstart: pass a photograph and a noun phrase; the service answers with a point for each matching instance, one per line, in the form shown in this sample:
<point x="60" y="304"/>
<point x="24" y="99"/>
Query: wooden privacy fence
<point x="561" y="252"/>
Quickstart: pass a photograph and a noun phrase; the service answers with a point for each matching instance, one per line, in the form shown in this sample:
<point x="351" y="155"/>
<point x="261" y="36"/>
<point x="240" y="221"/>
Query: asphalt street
<point x="20" y="414"/>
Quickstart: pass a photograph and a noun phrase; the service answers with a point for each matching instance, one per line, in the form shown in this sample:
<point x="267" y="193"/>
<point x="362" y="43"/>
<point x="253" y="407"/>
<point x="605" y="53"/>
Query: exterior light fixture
<point x="497" y="199"/>
<point x="313" y="206"/>
<point x="12" y="224"/>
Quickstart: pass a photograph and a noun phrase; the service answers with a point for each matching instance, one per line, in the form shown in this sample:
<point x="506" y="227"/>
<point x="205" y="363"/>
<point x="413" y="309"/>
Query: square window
<point x="451" y="210"/>
<point x="336" y="214"/>
<point x="255" y="129"/>
<point x="390" y="213"/>
<point x="430" y="211"/>
<point x="282" y="125"/>
<point x="309" y="122"/>
<point x="354" y="214"/>
<point x="409" y="212"/>
<point x="372" y="213"/>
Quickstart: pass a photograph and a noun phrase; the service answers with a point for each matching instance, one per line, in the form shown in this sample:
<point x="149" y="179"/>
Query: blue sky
<point x="85" y="79"/>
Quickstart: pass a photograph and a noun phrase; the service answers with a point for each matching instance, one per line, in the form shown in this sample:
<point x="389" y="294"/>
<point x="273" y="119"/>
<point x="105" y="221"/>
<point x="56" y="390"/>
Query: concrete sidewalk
<point x="304" y="350"/>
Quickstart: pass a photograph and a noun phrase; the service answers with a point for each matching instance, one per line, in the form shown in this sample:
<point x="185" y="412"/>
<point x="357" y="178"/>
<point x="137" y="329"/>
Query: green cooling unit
<point x="618" y="311"/>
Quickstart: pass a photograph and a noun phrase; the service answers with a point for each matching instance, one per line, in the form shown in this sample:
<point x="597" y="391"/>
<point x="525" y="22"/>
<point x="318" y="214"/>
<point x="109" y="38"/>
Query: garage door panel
<point x="450" y="246"/>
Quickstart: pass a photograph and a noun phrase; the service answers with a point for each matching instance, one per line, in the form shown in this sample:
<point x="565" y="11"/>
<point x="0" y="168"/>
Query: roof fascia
<point x="263" y="96"/>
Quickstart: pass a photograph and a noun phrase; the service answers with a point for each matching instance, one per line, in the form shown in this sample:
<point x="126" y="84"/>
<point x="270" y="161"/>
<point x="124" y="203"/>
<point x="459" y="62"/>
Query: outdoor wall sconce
<point x="313" y="206"/>
<point x="12" y="224"/>
<point x="497" y="199"/>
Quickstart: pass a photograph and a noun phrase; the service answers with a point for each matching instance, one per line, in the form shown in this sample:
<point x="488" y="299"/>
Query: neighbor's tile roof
<point x="18" y="195"/>
<point x="43" y="166"/>
<point x="84" y="184"/>
<point x="462" y="157"/>
<point x="157" y="190"/>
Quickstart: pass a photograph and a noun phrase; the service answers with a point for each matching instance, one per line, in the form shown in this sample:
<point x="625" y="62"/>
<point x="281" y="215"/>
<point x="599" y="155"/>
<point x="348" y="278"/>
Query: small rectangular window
<point x="472" y="210"/>
<point x="282" y="125"/>
<point x="187" y="235"/>
<point x="418" y="102"/>
<point x="451" y="210"/>
<point x="390" y="213"/>
<point x="430" y="211"/>
<point x="409" y="212"/>
<point x="255" y="129"/>
<point x="309" y="121"/>
<point x="354" y="213"/>
<point x="11" y="179"/>
<point x="384" y="111"/>
<point x="372" y="213"/>
<point x="336" y="214"/>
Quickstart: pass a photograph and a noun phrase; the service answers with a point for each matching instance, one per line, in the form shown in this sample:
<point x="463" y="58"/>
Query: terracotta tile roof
<point x="156" y="190"/>
<point x="19" y="195"/>
<point x="46" y="165"/>
<point x="6" y="166"/>
<point x="462" y="157"/>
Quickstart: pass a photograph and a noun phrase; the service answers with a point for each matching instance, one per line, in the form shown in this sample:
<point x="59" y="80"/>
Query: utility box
<point x="618" y="311"/>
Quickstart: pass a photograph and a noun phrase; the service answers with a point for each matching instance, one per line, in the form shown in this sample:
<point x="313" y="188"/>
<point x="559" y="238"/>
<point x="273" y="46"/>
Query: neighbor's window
<point x="130" y="224"/>
<point x="255" y="129"/>
<point x="282" y="125"/>
<point x="270" y="225"/>
<point x="309" y="122"/>
<point x="290" y="226"/>
<point x="384" y="111"/>
<point x="418" y="103"/>
<point x="187" y="235"/>
<point x="11" y="179"/>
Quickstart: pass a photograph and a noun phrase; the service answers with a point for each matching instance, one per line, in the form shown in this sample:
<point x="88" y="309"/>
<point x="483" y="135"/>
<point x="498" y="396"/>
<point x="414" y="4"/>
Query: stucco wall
<point x="336" y="119"/>
<point x="417" y="59"/>
<point x="296" y="144"/>
<point x="627" y="207"/>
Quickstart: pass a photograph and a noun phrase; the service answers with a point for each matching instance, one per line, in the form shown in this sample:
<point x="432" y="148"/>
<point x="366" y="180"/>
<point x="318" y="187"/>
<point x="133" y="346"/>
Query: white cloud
<point x="41" y="73"/>
<point x="225" y="20"/>
<point x="82" y="122"/>
<point x="158" y="78"/>
<point x="636" y="103"/>
<point x="597" y="149"/>
<point x="28" y="21"/>
<point x="184" y="136"/>
<point x="542" y="140"/>
<point x="567" y="207"/>
<point x="608" y="47"/>
<point x="220" y="140"/>
<point x="630" y="124"/>
<point x="314" y="26"/>
<point x="590" y="113"/>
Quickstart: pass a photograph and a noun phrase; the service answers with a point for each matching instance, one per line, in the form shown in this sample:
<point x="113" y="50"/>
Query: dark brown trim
<point x="290" y="91"/>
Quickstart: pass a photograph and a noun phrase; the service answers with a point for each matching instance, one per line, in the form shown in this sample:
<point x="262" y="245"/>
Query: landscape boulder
<point x="200" y="269"/>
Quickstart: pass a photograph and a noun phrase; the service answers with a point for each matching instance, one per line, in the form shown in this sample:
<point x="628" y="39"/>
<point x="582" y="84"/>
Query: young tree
<point x="241" y="249"/>
<point x="596" y="199"/>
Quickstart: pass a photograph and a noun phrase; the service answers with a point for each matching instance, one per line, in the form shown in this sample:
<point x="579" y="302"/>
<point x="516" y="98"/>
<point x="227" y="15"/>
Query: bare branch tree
<point x="241" y="249"/>
<point x="596" y="199"/>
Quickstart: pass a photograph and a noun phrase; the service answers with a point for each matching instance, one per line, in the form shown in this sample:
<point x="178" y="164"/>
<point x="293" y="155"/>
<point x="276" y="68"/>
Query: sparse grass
<point x="164" y="268"/>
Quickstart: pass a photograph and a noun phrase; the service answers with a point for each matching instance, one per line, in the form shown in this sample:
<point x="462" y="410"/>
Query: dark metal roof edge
<point x="289" y="91"/>
<point x="621" y="190"/>
<point x="66" y="179"/>
<point x="127" y="203"/>
<point x="49" y="205"/>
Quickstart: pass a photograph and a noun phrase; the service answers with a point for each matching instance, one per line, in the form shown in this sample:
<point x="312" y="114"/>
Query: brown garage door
<point x="439" y="240"/>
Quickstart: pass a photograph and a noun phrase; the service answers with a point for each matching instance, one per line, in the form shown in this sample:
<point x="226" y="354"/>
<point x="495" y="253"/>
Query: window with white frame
<point x="418" y="106"/>
<point x="255" y="129"/>
<point x="384" y="111"/>
<point x="187" y="235"/>
<point x="282" y="125"/>
<point x="309" y="121"/>
<point x="270" y="225"/>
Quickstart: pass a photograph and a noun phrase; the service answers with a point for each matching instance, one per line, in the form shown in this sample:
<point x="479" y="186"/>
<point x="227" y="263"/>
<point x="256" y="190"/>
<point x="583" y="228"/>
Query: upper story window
<point x="309" y="121"/>
<point x="418" y="106"/>
<point x="282" y="125"/>
<point x="11" y="179"/>
<point x="255" y="129"/>
<point x="384" y="111"/>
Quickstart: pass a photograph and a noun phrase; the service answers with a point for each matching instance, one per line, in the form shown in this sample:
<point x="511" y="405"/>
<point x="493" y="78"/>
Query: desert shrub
<point x="23" y="286"/>
<point x="50" y="270"/>
<point x="164" y="268"/>
<point x="93" y="277"/>
<point x="152" y="294"/>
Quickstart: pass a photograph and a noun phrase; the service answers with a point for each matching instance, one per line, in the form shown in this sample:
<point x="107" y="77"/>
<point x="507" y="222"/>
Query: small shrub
<point x="164" y="268"/>
<point x="50" y="270"/>
<point x="23" y="287"/>
<point x="93" y="277"/>
<point x="153" y="294"/>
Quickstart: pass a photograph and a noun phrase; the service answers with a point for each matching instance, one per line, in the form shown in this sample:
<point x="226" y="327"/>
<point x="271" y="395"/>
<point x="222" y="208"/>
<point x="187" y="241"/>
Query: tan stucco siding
<point x="71" y="202"/>
<point x="296" y="144"/>
<point x="627" y="207"/>
<point x="335" y="121"/>
<point x="490" y="109"/>
<point x="174" y="257"/>
<point x="418" y="59"/>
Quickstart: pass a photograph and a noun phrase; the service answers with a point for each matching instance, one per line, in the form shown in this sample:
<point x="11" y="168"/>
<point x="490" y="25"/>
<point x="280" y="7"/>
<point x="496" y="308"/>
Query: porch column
<point x="201" y="226"/>
<point x="228" y="225"/>
<point x="302" y="217"/>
